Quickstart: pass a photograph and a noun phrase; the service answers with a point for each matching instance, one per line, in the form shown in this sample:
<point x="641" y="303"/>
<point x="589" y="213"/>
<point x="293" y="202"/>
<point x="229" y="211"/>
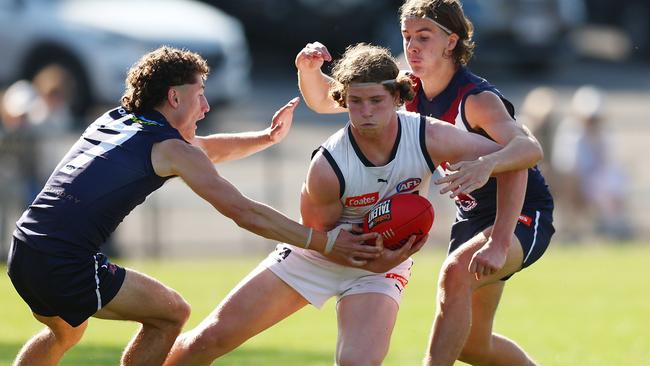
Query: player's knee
<point x="66" y="336"/>
<point x="212" y="341"/>
<point x="183" y="310"/>
<point x="176" y="313"/>
<point x="179" y="309"/>
<point x="475" y="354"/>
<point x="454" y="273"/>
<point x="192" y="348"/>
<point x="355" y="357"/>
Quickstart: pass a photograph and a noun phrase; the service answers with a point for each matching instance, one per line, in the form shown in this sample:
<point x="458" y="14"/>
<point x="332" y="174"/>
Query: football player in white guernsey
<point x="359" y="165"/>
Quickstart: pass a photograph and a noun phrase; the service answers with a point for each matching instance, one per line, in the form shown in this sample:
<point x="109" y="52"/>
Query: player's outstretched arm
<point x="314" y="85"/>
<point x="521" y="150"/>
<point x="174" y="157"/>
<point x="231" y="146"/>
<point x="446" y="143"/>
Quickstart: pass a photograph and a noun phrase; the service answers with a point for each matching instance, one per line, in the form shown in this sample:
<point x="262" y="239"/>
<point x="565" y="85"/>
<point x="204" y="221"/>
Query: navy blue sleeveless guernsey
<point x="105" y="175"/>
<point x="449" y="106"/>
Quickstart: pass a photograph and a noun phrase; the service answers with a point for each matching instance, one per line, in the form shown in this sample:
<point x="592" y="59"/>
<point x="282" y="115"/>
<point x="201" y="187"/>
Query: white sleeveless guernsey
<point x="363" y="184"/>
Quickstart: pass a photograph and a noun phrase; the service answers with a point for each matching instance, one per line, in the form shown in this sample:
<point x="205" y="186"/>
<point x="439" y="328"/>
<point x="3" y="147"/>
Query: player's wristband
<point x="308" y="242"/>
<point x="333" y="234"/>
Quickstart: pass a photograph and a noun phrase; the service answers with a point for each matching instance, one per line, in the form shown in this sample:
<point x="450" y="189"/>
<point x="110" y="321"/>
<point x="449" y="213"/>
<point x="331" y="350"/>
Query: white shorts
<point x="317" y="279"/>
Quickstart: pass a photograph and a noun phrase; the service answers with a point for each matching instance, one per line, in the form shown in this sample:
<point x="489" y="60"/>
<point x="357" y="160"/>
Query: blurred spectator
<point x="52" y="110"/>
<point x="18" y="151"/>
<point x="51" y="115"/>
<point x="593" y="185"/>
<point x="538" y="112"/>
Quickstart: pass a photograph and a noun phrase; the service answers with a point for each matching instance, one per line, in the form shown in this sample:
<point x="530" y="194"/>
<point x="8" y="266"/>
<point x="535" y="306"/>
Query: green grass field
<point x="578" y="306"/>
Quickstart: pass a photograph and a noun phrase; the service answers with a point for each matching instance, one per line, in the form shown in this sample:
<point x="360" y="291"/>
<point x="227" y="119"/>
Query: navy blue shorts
<point x="71" y="288"/>
<point x="534" y="230"/>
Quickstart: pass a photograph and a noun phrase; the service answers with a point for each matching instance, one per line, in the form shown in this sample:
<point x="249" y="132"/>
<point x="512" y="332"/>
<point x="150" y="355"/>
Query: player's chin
<point x="416" y="68"/>
<point x="369" y="129"/>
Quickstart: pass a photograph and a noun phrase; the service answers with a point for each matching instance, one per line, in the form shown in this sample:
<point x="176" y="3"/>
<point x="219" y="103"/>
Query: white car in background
<point x="97" y="41"/>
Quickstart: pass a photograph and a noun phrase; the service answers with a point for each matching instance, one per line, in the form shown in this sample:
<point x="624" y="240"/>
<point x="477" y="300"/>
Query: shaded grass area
<point x="88" y="354"/>
<point x="83" y="354"/>
<point x="577" y="306"/>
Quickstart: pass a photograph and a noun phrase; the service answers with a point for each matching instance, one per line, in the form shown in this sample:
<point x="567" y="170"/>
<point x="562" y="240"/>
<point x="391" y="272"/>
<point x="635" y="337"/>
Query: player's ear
<point x="452" y="40"/>
<point x="172" y="97"/>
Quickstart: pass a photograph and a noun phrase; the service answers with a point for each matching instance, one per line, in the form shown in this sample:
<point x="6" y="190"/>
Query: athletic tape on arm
<point x="308" y="242"/>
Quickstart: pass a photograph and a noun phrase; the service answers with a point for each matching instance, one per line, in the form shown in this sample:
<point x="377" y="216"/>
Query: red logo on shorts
<point x="401" y="279"/>
<point x="367" y="199"/>
<point x="526" y="220"/>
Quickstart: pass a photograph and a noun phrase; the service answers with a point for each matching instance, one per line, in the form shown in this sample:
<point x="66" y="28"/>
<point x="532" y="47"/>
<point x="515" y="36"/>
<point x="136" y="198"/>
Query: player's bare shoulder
<point x="445" y="142"/>
<point x="437" y="130"/>
<point x="167" y="155"/>
<point x="485" y="108"/>
<point x="322" y="178"/>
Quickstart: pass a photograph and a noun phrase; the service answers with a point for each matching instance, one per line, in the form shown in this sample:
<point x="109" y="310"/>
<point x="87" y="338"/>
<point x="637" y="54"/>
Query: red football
<point x="398" y="217"/>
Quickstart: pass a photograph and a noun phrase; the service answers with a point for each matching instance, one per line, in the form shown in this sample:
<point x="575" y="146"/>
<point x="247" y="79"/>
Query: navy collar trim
<point x="363" y="158"/>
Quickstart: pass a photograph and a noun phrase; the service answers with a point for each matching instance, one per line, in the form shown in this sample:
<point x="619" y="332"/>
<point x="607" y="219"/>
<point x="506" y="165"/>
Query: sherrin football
<point x="398" y="217"/>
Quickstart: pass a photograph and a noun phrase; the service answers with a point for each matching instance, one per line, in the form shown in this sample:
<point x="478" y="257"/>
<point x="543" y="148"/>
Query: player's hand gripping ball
<point x="398" y="217"/>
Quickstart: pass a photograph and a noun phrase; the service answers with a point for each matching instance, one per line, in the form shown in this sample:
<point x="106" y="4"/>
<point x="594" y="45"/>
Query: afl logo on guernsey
<point x="408" y="185"/>
<point x="367" y="199"/>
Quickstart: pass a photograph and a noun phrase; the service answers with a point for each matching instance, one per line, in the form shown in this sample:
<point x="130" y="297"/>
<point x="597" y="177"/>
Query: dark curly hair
<point x="148" y="81"/>
<point x="364" y="63"/>
<point x="448" y="13"/>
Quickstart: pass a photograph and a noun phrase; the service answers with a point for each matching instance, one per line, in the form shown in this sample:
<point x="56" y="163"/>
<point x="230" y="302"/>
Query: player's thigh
<point x="258" y="302"/>
<point x="462" y="257"/>
<point x="366" y="322"/>
<point x="143" y="298"/>
<point x="61" y="329"/>
<point x="514" y="260"/>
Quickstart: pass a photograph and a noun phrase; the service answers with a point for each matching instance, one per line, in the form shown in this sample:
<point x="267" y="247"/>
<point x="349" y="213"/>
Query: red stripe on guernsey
<point x="526" y="220"/>
<point x="452" y="112"/>
<point x="401" y="279"/>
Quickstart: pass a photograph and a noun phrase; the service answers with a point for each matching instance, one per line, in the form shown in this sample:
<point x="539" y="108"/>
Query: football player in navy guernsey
<point x="438" y="45"/>
<point x="55" y="262"/>
<point x="381" y="152"/>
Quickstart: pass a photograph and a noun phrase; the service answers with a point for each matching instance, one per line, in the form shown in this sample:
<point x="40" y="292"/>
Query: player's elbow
<point x="221" y="156"/>
<point x="238" y="213"/>
<point x="537" y="153"/>
<point x="540" y="151"/>
<point x="532" y="152"/>
<point x="316" y="105"/>
<point x="321" y="103"/>
<point x="536" y="148"/>
<point x="244" y="214"/>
